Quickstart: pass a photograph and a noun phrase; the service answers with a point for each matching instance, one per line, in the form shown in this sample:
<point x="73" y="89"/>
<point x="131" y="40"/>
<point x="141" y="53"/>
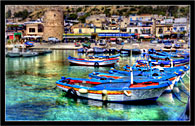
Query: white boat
<point x="29" y="54"/>
<point x="14" y="53"/>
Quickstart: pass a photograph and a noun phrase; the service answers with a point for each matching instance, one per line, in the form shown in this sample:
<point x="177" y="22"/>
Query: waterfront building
<point x="164" y="30"/>
<point x="96" y="20"/>
<point x="180" y="25"/>
<point x="124" y="23"/>
<point x="34" y="29"/>
<point x="14" y="31"/>
<point x="81" y="29"/>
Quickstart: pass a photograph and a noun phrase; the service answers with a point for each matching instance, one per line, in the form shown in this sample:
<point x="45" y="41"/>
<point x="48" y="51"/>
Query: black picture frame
<point x="98" y="2"/>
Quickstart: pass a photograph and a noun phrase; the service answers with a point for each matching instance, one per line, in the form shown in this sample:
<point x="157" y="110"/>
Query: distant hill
<point x="38" y="11"/>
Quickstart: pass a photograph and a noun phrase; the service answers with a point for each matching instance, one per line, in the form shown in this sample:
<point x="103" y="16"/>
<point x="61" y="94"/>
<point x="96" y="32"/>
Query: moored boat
<point x="14" y="53"/>
<point x="160" y="74"/>
<point x="93" y="61"/>
<point x="136" y="51"/>
<point x="29" y="54"/>
<point x="99" y="50"/>
<point x="113" y="92"/>
<point x="162" y="63"/>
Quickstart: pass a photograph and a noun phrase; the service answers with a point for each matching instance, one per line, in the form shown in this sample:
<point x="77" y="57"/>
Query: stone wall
<point x="53" y="24"/>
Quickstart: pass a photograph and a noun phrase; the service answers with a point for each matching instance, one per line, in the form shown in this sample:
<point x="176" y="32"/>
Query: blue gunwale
<point x="165" y="84"/>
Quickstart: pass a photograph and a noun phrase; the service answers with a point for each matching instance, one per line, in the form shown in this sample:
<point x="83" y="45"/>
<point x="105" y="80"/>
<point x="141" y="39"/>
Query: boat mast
<point x="131" y="71"/>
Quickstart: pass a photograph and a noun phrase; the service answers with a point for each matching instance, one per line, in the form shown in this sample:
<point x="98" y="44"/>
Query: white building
<point x="180" y="25"/>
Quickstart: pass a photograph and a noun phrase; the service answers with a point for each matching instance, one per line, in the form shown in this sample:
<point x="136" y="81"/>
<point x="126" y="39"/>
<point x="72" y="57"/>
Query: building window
<point x="31" y="29"/>
<point x="160" y="31"/>
<point x="181" y="28"/>
<point x="129" y="30"/>
<point x="136" y="31"/>
<point x="40" y="28"/>
<point x="80" y="30"/>
<point x="131" y="19"/>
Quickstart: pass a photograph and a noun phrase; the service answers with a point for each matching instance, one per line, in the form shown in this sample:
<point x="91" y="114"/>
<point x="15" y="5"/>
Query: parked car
<point x="154" y="41"/>
<point x="53" y="40"/>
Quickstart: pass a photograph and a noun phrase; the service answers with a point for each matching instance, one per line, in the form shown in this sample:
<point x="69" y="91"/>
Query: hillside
<point x="38" y="11"/>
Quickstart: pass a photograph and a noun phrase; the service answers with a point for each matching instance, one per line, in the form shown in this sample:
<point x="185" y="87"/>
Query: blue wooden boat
<point x="136" y="51"/>
<point x="106" y="90"/>
<point x="112" y="50"/>
<point x="106" y="57"/>
<point x="82" y="50"/>
<point x="125" y="51"/>
<point x="177" y="46"/>
<point x="158" y="57"/>
<point x="93" y="61"/>
<point x="99" y="50"/>
<point x="167" y="45"/>
<point x="162" y="63"/>
<point x="172" y="74"/>
<point x="177" y="54"/>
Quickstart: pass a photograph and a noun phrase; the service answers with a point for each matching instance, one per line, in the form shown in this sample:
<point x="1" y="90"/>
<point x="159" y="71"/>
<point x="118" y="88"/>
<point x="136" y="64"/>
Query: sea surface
<point x="31" y="93"/>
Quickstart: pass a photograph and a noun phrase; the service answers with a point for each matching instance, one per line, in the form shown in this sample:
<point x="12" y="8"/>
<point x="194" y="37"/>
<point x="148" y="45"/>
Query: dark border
<point x="75" y="2"/>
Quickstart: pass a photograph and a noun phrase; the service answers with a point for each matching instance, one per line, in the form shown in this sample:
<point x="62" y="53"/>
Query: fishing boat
<point x="176" y="54"/>
<point x="112" y="50"/>
<point x="118" y="74"/>
<point x="41" y="52"/>
<point x="29" y="54"/>
<point x="125" y="51"/>
<point x="14" y="53"/>
<point x="158" y="57"/>
<point x="106" y="57"/>
<point x="99" y="50"/>
<point x="93" y="61"/>
<point x="112" y="92"/>
<point x="48" y="51"/>
<point x="162" y="63"/>
<point x="177" y="46"/>
<point x="82" y="50"/>
<point x="172" y="74"/>
<point x="167" y="45"/>
<point x="151" y="51"/>
<point x="136" y="51"/>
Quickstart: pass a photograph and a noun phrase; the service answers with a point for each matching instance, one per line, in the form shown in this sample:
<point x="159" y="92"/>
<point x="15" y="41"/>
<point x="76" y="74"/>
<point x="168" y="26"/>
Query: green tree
<point x="79" y="9"/>
<point x="82" y="18"/>
<point x="8" y="14"/>
<point x="107" y="12"/>
<point x="132" y="9"/>
<point x="72" y="17"/>
<point x="23" y="14"/>
<point x="117" y="7"/>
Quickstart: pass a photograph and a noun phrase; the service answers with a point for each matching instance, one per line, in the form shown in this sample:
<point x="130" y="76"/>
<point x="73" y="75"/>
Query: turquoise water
<point x="31" y="93"/>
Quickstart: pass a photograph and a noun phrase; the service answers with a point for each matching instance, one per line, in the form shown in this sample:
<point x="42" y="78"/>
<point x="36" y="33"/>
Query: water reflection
<point x="30" y="88"/>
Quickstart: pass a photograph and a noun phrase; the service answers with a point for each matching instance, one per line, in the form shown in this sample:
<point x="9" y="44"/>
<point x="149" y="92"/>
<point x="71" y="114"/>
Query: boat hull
<point x="119" y="95"/>
<point x="91" y="63"/>
<point x="11" y="54"/>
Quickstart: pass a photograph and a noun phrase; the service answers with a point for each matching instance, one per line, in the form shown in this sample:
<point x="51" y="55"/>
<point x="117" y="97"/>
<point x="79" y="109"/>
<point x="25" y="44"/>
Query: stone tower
<point x="53" y="24"/>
